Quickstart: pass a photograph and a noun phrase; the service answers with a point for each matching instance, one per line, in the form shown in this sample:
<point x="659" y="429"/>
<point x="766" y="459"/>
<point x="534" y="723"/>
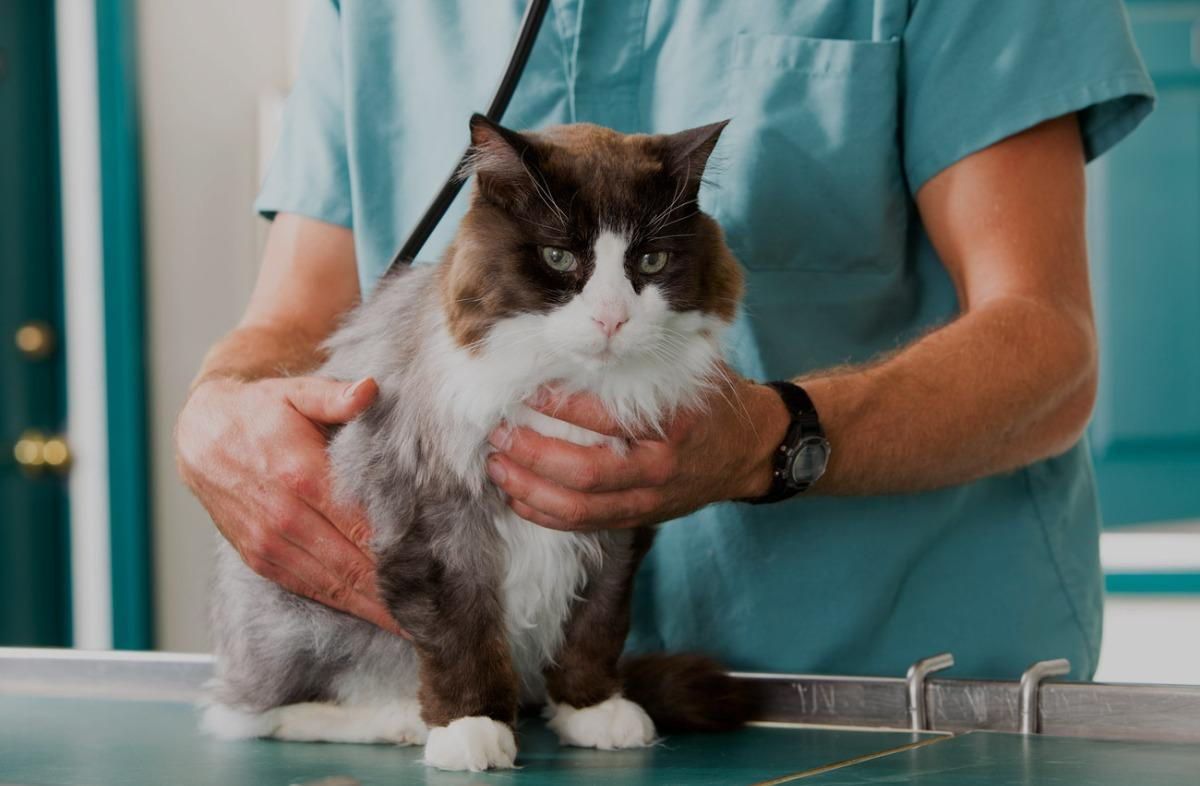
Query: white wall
<point x="203" y="66"/>
<point x="1150" y="638"/>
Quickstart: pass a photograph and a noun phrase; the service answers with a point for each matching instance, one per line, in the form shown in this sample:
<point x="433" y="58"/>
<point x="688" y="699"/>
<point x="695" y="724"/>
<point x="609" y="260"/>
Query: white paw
<point x="229" y="723"/>
<point x="476" y="743"/>
<point x="614" y="723"/>
<point x="401" y="723"/>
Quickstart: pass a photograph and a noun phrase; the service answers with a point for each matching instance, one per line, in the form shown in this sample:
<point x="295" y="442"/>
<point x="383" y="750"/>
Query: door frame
<point x="106" y="379"/>
<point x="124" y="324"/>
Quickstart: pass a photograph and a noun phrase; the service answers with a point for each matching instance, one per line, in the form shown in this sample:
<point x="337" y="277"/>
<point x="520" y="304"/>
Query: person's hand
<point x="723" y="451"/>
<point x="254" y="455"/>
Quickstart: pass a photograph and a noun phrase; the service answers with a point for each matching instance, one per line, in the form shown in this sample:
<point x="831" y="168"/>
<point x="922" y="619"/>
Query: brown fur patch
<point x="456" y="620"/>
<point x="478" y="681"/>
<point x="684" y="692"/>
<point x="585" y="671"/>
<point x="687" y="692"/>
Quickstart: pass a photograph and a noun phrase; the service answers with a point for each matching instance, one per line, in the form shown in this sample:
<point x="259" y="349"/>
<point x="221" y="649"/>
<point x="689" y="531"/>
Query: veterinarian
<point x="903" y="182"/>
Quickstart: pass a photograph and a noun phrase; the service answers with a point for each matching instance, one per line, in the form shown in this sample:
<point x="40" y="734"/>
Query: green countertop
<point x="65" y="742"/>
<point x="989" y="759"/>
<point x="98" y="742"/>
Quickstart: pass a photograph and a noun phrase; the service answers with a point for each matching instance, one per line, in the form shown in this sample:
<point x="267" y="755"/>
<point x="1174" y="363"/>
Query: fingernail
<point x="541" y="398"/>
<point x="496" y="471"/>
<point x="352" y="389"/>
<point x="501" y="438"/>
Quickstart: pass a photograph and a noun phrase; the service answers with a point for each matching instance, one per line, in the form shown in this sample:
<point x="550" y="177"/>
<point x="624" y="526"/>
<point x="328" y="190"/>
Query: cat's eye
<point x="559" y="259"/>
<point x="653" y="262"/>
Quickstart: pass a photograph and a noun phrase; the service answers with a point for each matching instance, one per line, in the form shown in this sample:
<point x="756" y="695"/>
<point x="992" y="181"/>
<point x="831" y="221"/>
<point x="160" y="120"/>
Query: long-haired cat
<point x="583" y="262"/>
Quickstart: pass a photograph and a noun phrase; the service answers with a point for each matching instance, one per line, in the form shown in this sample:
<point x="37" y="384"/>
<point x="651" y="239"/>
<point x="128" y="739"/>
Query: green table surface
<point x="73" y="742"/>
<point x="989" y="759"/>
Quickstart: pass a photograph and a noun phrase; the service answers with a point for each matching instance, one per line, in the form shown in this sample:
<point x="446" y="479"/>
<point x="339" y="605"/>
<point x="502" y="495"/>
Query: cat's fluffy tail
<point x="686" y="692"/>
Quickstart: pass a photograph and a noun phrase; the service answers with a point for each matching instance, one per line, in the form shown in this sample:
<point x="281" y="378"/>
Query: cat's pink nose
<point x="609" y="324"/>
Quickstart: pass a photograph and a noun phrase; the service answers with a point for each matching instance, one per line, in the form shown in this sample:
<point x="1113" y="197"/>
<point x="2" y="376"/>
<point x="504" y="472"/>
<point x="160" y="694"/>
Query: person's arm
<point x="1010" y="381"/>
<point x="307" y="280"/>
<point x="250" y="441"/>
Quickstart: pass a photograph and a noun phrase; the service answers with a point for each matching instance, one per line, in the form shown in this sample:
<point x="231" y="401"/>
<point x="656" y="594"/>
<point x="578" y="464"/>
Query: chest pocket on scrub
<point x="809" y="175"/>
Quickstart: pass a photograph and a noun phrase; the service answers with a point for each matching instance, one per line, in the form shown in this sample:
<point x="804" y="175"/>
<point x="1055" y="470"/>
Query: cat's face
<point x="593" y="240"/>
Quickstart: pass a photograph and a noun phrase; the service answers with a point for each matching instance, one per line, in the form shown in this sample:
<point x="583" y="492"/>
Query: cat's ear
<point x="500" y="158"/>
<point x="687" y="152"/>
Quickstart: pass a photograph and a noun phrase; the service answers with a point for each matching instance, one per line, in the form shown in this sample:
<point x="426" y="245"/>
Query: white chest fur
<point x="544" y="573"/>
<point x="545" y="569"/>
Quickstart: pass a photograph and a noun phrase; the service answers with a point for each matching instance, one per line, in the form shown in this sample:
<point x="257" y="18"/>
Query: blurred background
<point x="133" y="136"/>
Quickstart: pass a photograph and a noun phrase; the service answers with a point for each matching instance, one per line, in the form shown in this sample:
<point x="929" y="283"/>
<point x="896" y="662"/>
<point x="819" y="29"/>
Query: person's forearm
<point x="1004" y="385"/>
<point x="306" y="283"/>
<point x="256" y="351"/>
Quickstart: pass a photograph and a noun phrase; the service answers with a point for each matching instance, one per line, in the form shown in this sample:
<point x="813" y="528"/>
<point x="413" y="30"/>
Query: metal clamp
<point x="1031" y="683"/>
<point x="918" y="716"/>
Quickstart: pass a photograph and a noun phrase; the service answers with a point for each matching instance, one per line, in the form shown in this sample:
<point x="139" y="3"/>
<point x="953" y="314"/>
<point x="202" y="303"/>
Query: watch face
<point x="810" y="459"/>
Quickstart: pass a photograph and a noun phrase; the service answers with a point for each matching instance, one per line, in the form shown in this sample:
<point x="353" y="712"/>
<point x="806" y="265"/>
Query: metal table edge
<point x="1115" y="711"/>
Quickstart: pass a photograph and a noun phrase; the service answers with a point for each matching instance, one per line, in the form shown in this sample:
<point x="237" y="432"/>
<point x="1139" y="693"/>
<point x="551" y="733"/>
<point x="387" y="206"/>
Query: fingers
<point x="296" y="570"/>
<point x="329" y="401"/>
<point x="549" y="522"/>
<point x="304" y="473"/>
<point x="354" y="526"/>
<point x="350" y="522"/>
<point x="582" y="410"/>
<point x="320" y="539"/>
<point x="585" y="468"/>
<point x="568" y="509"/>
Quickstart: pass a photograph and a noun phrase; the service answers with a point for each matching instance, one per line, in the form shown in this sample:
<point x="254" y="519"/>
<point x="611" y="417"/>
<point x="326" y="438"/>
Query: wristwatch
<point x="803" y="455"/>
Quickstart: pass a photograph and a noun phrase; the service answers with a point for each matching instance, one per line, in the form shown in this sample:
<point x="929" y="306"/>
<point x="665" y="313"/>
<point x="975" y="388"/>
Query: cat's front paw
<point x="476" y="743"/>
<point x="614" y="723"/>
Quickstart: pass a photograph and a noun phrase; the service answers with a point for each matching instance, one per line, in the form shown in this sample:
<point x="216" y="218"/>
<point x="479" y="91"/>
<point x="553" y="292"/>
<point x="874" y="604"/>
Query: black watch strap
<point x="805" y="423"/>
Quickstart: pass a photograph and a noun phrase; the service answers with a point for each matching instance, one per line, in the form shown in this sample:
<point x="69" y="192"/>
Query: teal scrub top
<point x="841" y="110"/>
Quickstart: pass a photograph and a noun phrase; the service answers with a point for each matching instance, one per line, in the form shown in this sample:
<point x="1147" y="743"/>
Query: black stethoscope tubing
<point x="531" y="24"/>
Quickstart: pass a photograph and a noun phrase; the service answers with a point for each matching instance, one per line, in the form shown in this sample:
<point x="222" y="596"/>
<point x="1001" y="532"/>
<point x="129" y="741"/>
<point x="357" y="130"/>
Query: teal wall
<point x="1144" y="232"/>
<point x="1144" y="221"/>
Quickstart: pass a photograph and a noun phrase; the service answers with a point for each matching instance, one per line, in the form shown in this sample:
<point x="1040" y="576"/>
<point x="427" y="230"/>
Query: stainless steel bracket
<point x="1031" y="686"/>
<point x="918" y="716"/>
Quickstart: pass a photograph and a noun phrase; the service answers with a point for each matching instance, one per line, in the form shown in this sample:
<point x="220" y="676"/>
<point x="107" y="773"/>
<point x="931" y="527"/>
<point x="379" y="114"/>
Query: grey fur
<point x="418" y="471"/>
<point x="277" y="648"/>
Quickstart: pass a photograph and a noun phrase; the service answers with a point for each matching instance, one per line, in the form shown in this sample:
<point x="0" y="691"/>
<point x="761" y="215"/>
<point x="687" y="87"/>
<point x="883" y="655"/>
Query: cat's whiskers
<point x="677" y="220"/>
<point x="736" y="404"/>
<point x="679" y="192"/>
<point x="670" y="350"/>
<point x="556" y="233"/>
<point x="669" y="331"/>
<point x="669" y="338"/>
<point x="666" y="348"/>
<point x="542" y="189"/>
<point x="510" y="340"/>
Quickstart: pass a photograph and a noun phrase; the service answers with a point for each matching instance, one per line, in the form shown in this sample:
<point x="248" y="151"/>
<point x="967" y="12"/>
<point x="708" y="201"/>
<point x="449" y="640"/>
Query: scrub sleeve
<point x="977" y="71"/>
<point x="309" y="173"/>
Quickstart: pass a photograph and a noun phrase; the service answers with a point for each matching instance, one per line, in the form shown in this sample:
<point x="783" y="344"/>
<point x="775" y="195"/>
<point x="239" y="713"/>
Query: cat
<point x="584" y="262"/>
